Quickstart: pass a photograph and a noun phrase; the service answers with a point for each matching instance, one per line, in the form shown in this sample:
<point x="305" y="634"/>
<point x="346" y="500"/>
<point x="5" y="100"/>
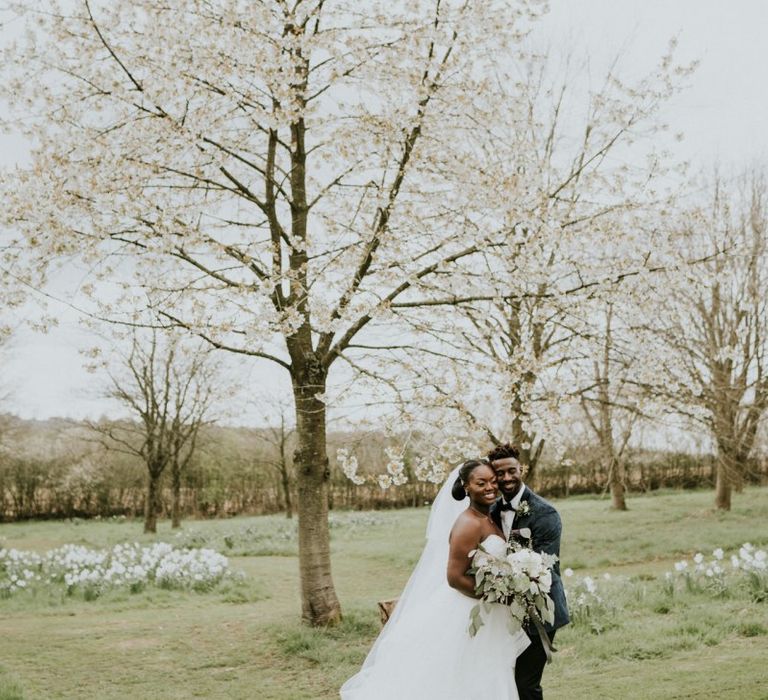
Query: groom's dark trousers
<point x="529" y="668"/>
<point x="544" y="522"/>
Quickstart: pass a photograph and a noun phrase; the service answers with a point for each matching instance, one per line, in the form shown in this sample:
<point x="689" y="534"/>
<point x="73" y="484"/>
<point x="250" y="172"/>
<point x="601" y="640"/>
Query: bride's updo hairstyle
<point x="465" y="471"/>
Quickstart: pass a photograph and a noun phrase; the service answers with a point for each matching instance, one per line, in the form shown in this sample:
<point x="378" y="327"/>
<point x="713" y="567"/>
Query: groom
<point x="516" y="509"/>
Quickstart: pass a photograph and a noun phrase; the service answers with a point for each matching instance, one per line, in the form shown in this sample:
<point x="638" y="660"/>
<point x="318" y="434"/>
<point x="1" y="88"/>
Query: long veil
<point x="427" y="577"/>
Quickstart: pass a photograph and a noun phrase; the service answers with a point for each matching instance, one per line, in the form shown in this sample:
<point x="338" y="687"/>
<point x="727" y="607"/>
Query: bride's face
<point x="481" y="486"/>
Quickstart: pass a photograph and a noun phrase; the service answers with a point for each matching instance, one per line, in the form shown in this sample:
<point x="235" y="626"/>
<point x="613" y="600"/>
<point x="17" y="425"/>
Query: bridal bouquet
<point x="516" y="577"/>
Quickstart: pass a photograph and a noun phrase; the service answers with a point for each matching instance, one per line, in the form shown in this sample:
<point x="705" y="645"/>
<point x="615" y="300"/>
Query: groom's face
<point x="509" y="475"/>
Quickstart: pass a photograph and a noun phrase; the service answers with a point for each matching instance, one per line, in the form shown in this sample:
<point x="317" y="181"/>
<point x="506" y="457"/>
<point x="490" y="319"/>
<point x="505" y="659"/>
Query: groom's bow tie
<point x="506" y="505"/>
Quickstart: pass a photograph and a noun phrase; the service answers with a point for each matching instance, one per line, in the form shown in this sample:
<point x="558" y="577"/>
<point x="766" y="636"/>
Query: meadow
<point x="637" y="633"/>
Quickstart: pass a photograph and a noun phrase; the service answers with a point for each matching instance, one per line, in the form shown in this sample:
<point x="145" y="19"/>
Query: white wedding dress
<point x="425" y="651"/>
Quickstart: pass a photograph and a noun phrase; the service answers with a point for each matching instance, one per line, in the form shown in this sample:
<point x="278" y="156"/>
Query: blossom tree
<point x="496" y="359"/>
<point x="273" y="176"/>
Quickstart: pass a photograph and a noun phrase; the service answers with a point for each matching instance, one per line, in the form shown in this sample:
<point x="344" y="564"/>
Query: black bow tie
<point x="506" y="505"/>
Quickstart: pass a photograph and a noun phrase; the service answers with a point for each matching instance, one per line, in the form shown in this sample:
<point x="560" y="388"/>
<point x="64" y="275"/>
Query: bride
<point x="425" y="650"/>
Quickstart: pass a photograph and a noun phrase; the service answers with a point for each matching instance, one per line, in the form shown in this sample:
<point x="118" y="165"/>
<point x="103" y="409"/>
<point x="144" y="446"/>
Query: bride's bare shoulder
<point x="467" y="526"/>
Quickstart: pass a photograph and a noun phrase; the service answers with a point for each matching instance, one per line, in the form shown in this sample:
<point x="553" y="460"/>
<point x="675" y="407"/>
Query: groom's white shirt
<point x="508" y="516"/>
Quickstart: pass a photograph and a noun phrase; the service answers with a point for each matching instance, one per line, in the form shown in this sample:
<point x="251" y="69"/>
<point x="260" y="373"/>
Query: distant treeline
<point x="645" y="470"/>
<point x="58" y="469"/>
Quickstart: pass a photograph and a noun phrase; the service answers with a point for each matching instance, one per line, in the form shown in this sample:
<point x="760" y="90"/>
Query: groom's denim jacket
<point x="544" y="522"/>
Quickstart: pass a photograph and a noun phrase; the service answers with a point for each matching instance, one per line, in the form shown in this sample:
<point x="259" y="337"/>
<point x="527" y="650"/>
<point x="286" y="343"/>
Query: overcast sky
<point x="723" y="113"/>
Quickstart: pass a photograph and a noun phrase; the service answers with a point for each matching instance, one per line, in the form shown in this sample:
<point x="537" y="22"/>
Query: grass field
<point x="244" y="639"/>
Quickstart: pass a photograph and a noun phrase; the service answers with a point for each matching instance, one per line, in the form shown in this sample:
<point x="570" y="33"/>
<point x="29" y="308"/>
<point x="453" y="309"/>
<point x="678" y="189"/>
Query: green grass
<point x="9" y="688"/>
<point x="244" y="640"/>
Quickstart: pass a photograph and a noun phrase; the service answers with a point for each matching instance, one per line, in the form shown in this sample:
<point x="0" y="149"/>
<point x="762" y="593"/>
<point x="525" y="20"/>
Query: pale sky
<point x="723" y="113"/>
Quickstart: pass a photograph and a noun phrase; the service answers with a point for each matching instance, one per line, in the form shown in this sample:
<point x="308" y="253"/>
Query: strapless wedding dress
<point x="428" y="654"/>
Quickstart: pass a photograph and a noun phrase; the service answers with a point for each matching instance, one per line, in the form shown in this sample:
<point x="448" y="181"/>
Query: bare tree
<point x="278" y="438"/>
<point x="168" y="389"/>
<point x="715" y="328"/>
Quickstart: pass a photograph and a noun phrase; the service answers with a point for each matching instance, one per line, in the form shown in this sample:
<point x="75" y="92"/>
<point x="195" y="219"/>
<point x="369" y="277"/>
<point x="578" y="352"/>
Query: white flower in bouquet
<point x="520" y="579"/>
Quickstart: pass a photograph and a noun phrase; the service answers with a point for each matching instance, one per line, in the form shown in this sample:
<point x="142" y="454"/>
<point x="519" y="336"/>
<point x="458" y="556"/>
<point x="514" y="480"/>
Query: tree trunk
<point x="727" y="456"/>
<point x="617" y="487"/>
<point x="722" y="487"/>
<point x="724" y="478"/>
<point x="319" y="603"/>
<point x="740" y="462"/>
<point x="613" y="464"/>
<point x="286" y="490"/>
<point x="521" y="438"/>
<point x="176" y="495"/>
<point x="285" y="477"/>
<point x="151" y="503"/>
<point x="605" y="423"/>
